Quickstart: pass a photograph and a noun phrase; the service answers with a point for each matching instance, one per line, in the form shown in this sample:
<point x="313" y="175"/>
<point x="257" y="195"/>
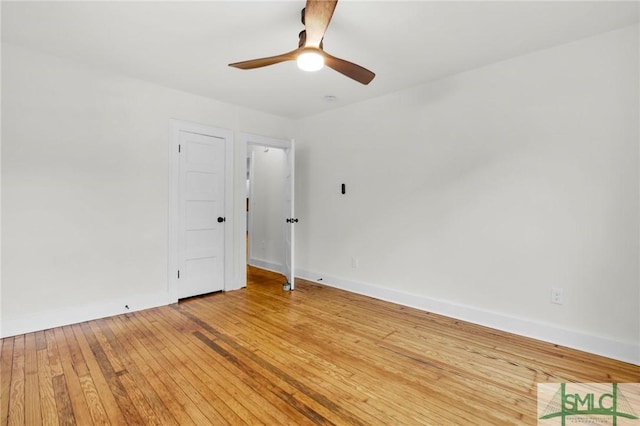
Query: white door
<point x="202" y="220"/>
<point x="289" y="214"/>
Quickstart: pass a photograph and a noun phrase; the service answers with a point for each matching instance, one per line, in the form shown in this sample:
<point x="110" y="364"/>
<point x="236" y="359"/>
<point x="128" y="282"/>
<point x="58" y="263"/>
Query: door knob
<point x="222" y="219"/>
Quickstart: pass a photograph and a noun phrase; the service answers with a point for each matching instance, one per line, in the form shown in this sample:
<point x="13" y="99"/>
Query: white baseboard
<point x="265" y="264"/>
<point x="77" y="314"/>
<point x="620" y="350"/>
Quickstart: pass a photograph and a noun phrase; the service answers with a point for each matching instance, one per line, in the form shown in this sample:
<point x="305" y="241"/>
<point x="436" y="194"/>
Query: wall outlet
<point x="557" y="296"/>
<point x="354" y="262"/>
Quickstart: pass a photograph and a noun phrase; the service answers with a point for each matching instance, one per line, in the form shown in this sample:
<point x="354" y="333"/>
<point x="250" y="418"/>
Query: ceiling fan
<point x="310" y="54"/>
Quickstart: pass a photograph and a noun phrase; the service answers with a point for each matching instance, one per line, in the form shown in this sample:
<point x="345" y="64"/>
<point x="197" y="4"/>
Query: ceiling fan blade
<point x="351" y="70"/>
<point x="317" y="15"/>
<point x="263" y="62"/>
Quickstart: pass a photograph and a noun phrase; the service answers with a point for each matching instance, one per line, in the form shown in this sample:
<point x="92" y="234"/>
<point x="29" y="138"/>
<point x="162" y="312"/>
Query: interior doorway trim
<point x="244" y="140"/>
<point x="177" y="126"/>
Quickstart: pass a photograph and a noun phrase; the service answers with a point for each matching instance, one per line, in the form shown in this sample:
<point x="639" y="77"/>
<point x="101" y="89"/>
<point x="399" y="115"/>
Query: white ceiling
<point x="187" y="45"/>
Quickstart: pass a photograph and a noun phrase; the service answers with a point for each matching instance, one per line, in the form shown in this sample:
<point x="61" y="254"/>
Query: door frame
<point x="244" y="140"/>
<point x="177" y="126"/>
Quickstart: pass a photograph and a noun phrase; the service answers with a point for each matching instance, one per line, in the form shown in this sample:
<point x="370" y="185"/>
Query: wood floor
<point x="316" y="355"/>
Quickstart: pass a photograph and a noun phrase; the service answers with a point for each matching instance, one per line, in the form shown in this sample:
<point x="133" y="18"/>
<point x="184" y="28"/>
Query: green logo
<point x="587" y="403"/>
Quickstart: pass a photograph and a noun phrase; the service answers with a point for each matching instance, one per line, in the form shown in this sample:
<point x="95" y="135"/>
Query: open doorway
<point x="269" y="204"/>
<point x="265" y="198"/>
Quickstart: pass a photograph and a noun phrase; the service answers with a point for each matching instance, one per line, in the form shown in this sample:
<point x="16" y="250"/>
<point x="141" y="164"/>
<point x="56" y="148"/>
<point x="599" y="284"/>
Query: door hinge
<point x="178" y="148"/>
<point x="178" y="274"/>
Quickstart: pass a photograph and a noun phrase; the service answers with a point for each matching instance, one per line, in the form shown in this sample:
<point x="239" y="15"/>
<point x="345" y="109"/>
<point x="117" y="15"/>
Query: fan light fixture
<point x="310" y="61"/>
<point x="310" y="54"/>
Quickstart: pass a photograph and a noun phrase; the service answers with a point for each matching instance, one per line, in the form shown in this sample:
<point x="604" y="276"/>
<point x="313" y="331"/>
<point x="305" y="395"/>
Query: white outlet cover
<point x="557" y="296"/>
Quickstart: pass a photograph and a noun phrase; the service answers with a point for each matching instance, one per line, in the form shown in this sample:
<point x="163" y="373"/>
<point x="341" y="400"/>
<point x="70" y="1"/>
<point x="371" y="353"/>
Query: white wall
<point x="471" y="196"/>
<point x="475" y="194"/>
<point x="267" y="208"/>
<point x="85" y="188"/>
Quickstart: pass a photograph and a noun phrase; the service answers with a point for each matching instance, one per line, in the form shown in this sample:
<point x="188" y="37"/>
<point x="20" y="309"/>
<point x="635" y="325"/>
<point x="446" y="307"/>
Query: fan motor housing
<point x="302" y="39"/>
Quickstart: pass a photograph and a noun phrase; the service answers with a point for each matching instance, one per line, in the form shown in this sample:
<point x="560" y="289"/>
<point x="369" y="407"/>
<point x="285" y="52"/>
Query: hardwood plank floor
<point x="260" y="355"/>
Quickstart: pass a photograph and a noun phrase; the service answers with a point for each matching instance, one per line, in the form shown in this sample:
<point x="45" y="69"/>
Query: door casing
<point x="244" y="140"/>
